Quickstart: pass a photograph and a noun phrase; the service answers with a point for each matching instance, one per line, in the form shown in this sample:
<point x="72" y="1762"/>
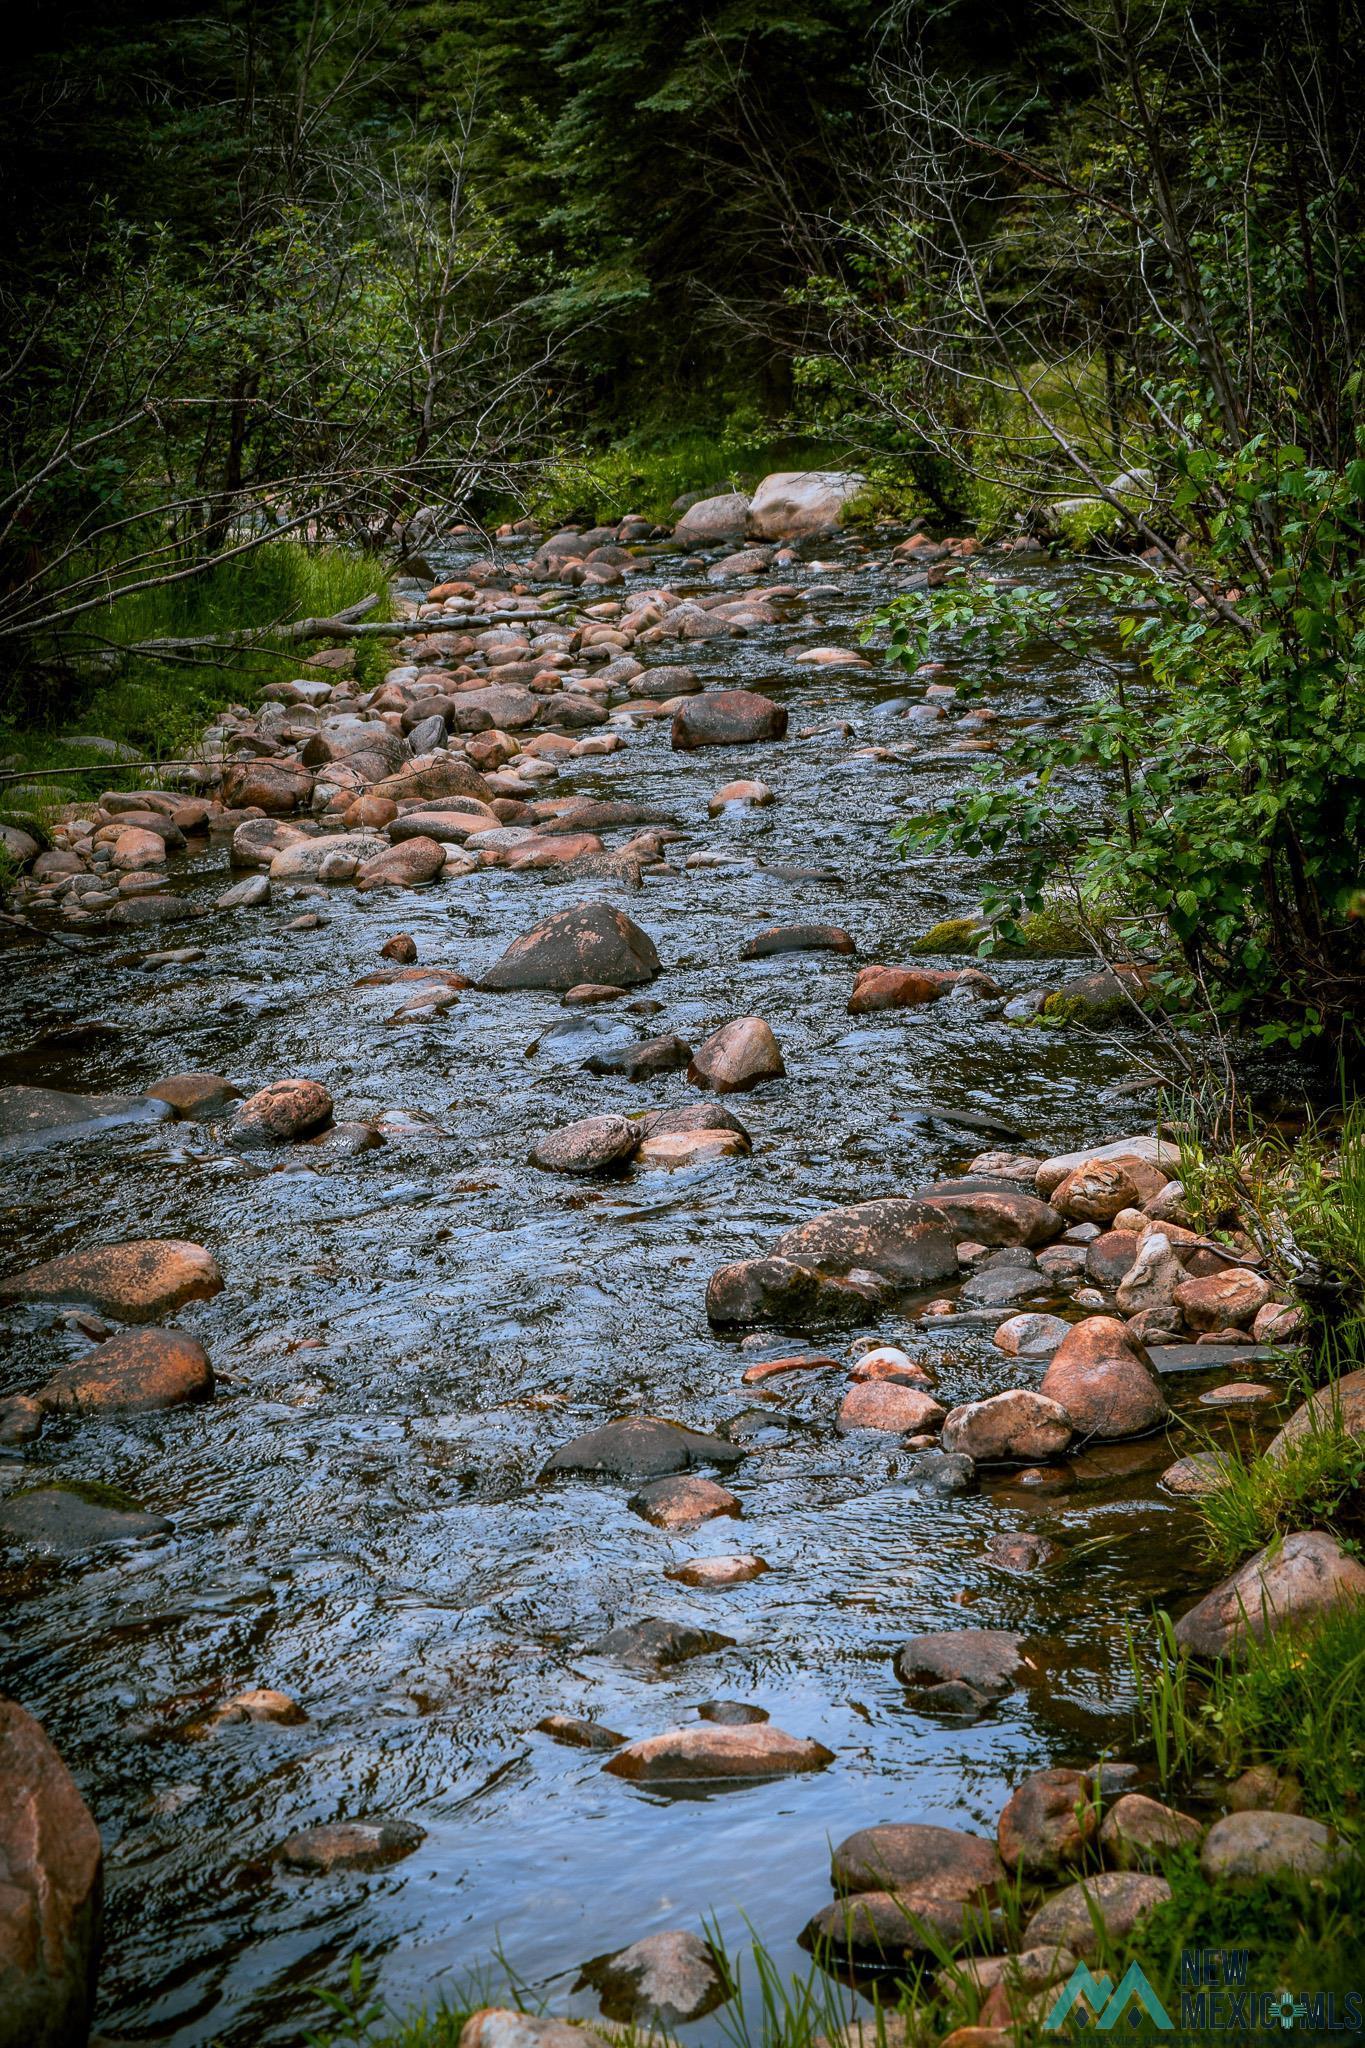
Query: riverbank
<point x="386" y="1517"/>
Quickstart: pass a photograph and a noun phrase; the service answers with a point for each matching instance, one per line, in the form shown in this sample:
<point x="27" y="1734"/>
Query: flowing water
<point x="405" y="1336"/>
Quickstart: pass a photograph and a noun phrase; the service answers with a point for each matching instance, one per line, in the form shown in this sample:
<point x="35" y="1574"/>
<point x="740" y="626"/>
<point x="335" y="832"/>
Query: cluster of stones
<point x="445" y="767"/>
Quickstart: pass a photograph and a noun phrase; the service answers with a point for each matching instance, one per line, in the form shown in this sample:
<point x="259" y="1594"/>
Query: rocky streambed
<point x="508" y="1489"/>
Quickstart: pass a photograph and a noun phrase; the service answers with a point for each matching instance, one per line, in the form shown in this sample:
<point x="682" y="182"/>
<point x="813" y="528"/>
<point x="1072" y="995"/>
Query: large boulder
<point x="436" y="776"/>
<point x="713" y="520"/>
<point x="50" y="1892"/>
<point x="1017" y="1427"/>
<point x="590" y="943"/>
<point x="902" y="1241"/>
<point x="138" y="1282"/>
<point x="1287" y="1585"/>
<point x="1247" y="1846"/>
<point x="727" y="718"/>
<point x="330" y="856"/>
<point x="793" y="504"/>
<point x="981" y="1211"/>
<point x="1101" y="1375"/>
<point x="276" y="786"/>
<point x="1339" y="1406"/>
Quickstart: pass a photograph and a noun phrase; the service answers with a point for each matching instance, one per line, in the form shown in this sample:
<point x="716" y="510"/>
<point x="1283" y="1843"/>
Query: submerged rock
<point x="642" y="1447"/>
<point x="350" y="1845"/>
<point x="717" y="1751"/>
<point x="665" y="1980"/>
<point x="33" y="1117"/>
<point x="56" y="1521"/>
<point x="650" y="1644"/>
<point x="590" y="943"/>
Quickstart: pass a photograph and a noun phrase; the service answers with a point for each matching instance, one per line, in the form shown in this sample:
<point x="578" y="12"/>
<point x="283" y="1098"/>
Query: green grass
<point x="1317" y="1483"/>
<point x="159" y="707"/>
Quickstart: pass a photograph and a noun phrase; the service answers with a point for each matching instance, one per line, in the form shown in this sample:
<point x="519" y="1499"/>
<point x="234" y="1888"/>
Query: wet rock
<point x="797" y="938"/>
<point x="1023" y="1554"/>
<point x="897" y="988"/>
<point x="799" y="504"/>
<point x="350" y="1845"/>
<point x="260" y="1706"/>
<point x="990" y="1215"/>
<point x="727" y="718"/>
<point x="1246" y="1846"/>
<point x="895" y="1926"/>
<point x="717" y="1751"/>
<point x="1143" y="1147"/>
<point x="943" y="1472"/>
<point x="134" y="1371"/>
<point x="1339" y="1406"/>
<point x="137" y="1282"/>
<point x="33" y="1117"/>
<point x="1261" y="1789"/>
<point x="888" y="1405"/>
<point x="1278" y="1322"/>
<point x="594" y="1144"/>
<point x="731" y="1713"/>
<point x="56" y="1521"/>
<point x="592" y="942"/>
<point x="406" y="866"/>
<point x="988" y="1660"/>
<point x="889" y="1362"/>
<point x="690" y="1148"/>
<point x="1017" y="1427"/>
<point x="680" y="1503"/>
<point x="1154" y="1278"/>
<point x="1238" y="1394"/>
<point x="245" y="895"/>
<point x="650" y="1645"/>
<point x="334" y="857"/>
<point x="440" y="775"/>
<point x="1287" y="1585"/>
<point x="1195" y="1476"/>
<point x="714" y="1574"/>
<point x="1004" y="1287"/>
<point x="740" y="795"/>
<point x="711" y="520"/>
<point x="664" y="1980"/>
<point x="737" y="1057"/>
<point x="51" y="1894"/>
<point x="639" y="1061"/>
<point x="1095" y="1192"/>
<point x="402" y="947"/>
<point x="911" y="1856"/>
<point x="21" y="1419"/>
<point x="1219" y="1301"/>
<point x="280" y="1114"/>
<point x="903" y="1241"/>
<point x="1140" y="1833"/>
<point x="503" y="2027"/>
<point x="576" y="1734"/>
<point x="642" y="1447"/>
<point x="657" y="685"/>
<point x="1109" y="1258"/>
<point x="1102" y="1377"/>
<point x="194" y="1095"/>
<point x="1120" y="1899"/>
<point x="1030" y="1336"/>
<point x="1047" y="1823"/>
<point x="778" y="1290"/>
<point x="275" y="786"/>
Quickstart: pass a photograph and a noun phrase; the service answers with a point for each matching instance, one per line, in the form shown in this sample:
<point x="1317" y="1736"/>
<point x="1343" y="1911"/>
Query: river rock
<point x="33" y="1117"/>
<point x="1017" y="1427"/>
<point x="912" y="1856"/>
<point x="641" y="1447"/>
<point x="888" y="1405"/>
<point x="741" y="795"/>
<point x="56" y="1521"/>
<point x="797" y="938"/>
<point x="682" y="1502"/>
<point x="718" y="1751"/>
<point x="1139" y="1832"/>
<point x="138" y="1282"/>
<point x="51" y="1894"/>
<point x="1193" y="1477"/>
<point x="306" y="859"/>
<point x="1153" y="1151"/>
<point x="690" y="1148"/>
<point x="276" y="786"/>
<point x="737" y="1057"/>
<point x="1095" y="1192"/>
<point x="1004" y="1287"/>
<point x="664" y="1980"/>
<point x="651" y="1644"/>
<point x="280" y="1114"/>
<point x="245" y="895"/>
<point x="1109" y="1258"/>
<point x="1247" y="1846"/>
<point x="194" y="1095"/>
<point x="887" y="1362"/>
<point x="712" y="520"/>
<point x="592" y="1145"/>
<point x="715" y="1574"/>
<point x="893" y="1926"/>
<point x="782" y="1291"/>
<point x="657" y="685"/>
<point x="408" y="865"/>
<point x="1154" y="1278"/>
<point x="136" y="1370"/>
<point x="1047" y="1823"/>
<point x="897" y="988"/>
<point x="796" y="504"/>
<point x="592" y="942"/>
<point x="1120" y="1899"/>
<point x="1287" y="1585"/>
<point x="903" y="1241"/>
<point x="440" y="775"/>
<point x="1226" y="1300"/>
<point x="987" y="1660"/>
<point x="1339" y="1406"/>
<point x="1023" y="1553"/>
<point x="350" y="1845"/>
<point x="578" y="1734"/>
<point x="989" y="1215"/>
<point x="1103" y="1379"/>
<point x="1030" y="1336"/>
<point x="727" y="718"/>
<point x="642" y="1059"/>
<point x="495" y="2026"/>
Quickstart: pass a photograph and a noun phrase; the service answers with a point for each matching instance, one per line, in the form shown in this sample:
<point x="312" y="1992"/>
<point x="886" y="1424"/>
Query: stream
<point x="406" y="1336"/>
